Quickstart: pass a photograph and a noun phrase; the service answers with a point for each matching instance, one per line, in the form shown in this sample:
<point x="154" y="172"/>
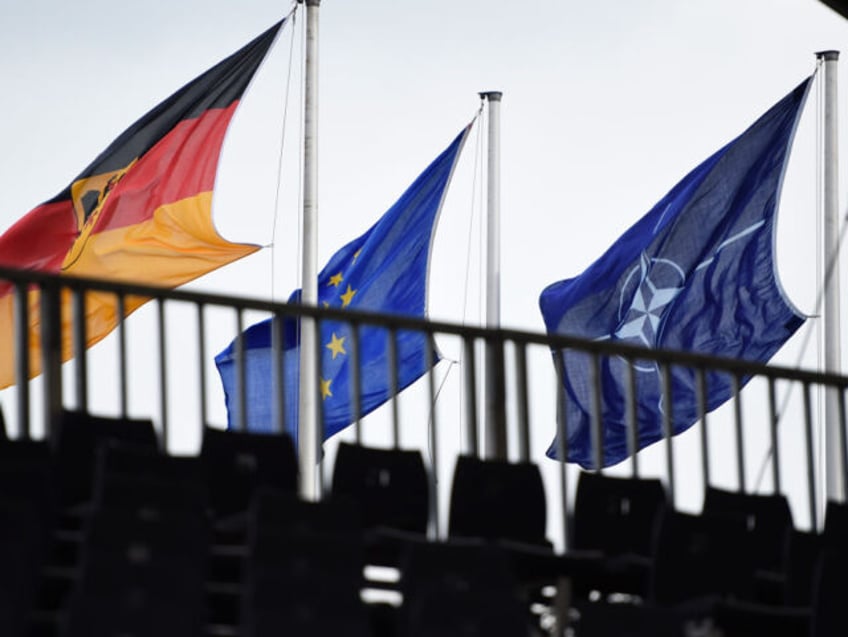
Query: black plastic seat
<point x="303" y="571"/>
<point x="739" y="618"/>
<point x="498" y="500"/>
<point x="769" y="521"/>
<point x="120" y="458"/>
<point x="616" y="518"/>
<point x="629" y="620"/>
<point x="700" y="558"/>
<point x="236" y="463"/>
<point x="24" y="542"/>
<point x="389" y="485"/>
<point x="391" y="491"/>
<point x="830" y="591"/>
<point x="145" y="572"/>
<point x="803" y="551"/>
<point x="127" y="476"/>
<point x="460" y="588"/>
<point x="835" y="532"/>
<point x="130" y="612"/>
<point x="286" y="515"/>
<point x="75" y="438"/>
<point x="617" y="515"/>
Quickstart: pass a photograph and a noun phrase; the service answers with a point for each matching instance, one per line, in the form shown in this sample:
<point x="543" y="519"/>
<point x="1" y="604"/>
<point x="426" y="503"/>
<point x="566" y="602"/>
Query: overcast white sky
<point x="606" y="106"/>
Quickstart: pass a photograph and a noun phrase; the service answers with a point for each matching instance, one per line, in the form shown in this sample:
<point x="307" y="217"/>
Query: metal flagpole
<point x="830" y="238"/>
<point x="495" y="437"/>
<point x="307" y="412"/>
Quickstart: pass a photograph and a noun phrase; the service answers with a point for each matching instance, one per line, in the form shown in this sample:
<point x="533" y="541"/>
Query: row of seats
<point x="104" y="535"/>
<point x="739" y="565"/>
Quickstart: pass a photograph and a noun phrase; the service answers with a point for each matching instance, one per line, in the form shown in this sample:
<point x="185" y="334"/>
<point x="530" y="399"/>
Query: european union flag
<point x="696" y="273"/>
<point x="384" y="270"/>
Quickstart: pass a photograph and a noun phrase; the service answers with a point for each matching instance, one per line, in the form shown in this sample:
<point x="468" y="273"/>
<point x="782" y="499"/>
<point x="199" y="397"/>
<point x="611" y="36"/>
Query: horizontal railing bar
<point x="397" y="322"/>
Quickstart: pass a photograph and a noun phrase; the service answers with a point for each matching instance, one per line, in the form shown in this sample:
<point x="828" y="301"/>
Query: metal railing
<point x="758" y="421"/>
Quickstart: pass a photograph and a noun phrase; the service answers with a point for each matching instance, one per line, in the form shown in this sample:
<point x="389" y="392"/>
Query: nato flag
<point x="384" y="270"/>
<point x="696" y="273"/>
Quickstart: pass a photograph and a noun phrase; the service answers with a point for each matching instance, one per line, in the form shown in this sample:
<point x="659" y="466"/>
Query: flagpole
<point x="307" y="413"/>
<point x="832" y="342"/>
<point x="495" y="432"/>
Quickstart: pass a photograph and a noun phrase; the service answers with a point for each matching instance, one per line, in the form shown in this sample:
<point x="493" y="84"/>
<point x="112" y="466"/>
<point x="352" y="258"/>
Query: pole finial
<point x="492" y="96"/>
<point x="828" y="56"/>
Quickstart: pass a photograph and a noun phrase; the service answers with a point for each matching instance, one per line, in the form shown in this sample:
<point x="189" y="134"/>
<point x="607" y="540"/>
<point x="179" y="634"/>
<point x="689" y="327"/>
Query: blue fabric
<point x="696" y="273"/>
<point x="384" y="270"/>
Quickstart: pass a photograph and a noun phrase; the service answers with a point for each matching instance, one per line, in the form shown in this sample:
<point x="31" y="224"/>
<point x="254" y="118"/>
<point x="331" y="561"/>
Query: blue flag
<point x="384" y="270"/>
<point x="696" y="273"/>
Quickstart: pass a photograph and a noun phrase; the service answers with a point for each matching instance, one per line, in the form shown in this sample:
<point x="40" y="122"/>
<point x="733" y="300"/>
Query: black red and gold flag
<point x="141" y="212"/>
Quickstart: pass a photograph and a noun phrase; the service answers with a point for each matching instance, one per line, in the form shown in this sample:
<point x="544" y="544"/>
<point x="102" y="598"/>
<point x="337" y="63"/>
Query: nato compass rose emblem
<point x="657" y="283"/>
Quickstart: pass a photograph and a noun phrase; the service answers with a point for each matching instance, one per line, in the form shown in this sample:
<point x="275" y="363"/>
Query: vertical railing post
<point x="201" y="362"/>
<point x="668" y="430"/>
<point x="163" y="374"/>
<point x="392" y="363"/>
<point x="471" y="445"/>
<point x="740" y="438"/>
<point x="22" y="354"/>
<point x="356" y="381"/>
<point x="597" y="416"/>
<point x="123" y="393"/>
<point x="810" y="456"/>
<point x="432" y="436"/>
<point x="632" y="420"/>
<point x="278" y="374"/>
<point x="51" y="353"/>
<point x="80" y="349"/>
<point x="701" y="396"/>
<point x="521" y="397"/>
<point x="774" y="420"/>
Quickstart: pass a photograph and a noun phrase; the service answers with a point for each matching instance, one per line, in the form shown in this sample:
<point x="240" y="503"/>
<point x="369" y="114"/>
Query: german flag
<point x="141" y="212"/>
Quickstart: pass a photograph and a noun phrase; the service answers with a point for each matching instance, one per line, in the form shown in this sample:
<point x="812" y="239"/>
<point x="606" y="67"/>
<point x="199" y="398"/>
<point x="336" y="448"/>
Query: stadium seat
<point x="390" y="489"/>
<point x="498" y="500"/>
<point x="236" y="463"/>
<point x="140" y="576"/>
<point x="617" y="515"/>
<point x="303" y="569"/>
<point x="700" y="558"/>
<point x="769" y="520"/>
<point x="75" y="438"/>
<point x="617" y="518"/>
<point x="132" y="476"/>
<point x="835" y="530"/>
<point x="830" y="591"/>
<point x="459" y="588"/>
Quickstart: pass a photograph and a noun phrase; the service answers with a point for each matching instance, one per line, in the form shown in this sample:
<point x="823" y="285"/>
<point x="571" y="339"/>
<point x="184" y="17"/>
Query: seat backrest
<point x="75" y="438"/>
<point x="700" y="556"/>
<point x="459" y="587"/>
<point x="389" y="486"/>
<point x="496" y="499"/>
<point x="768" y="518"/>
<point x="803" y="549"/>
<point x="236" y="463"/>
<point x="617" y="515"/>
<point x="302" y="557"/>
<point x="830" y="590"/>
<point x="835" y="530"/>
<point x="287" y="515"/>
<point x="133" y="611"/>
<point x="127" y="476"/>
